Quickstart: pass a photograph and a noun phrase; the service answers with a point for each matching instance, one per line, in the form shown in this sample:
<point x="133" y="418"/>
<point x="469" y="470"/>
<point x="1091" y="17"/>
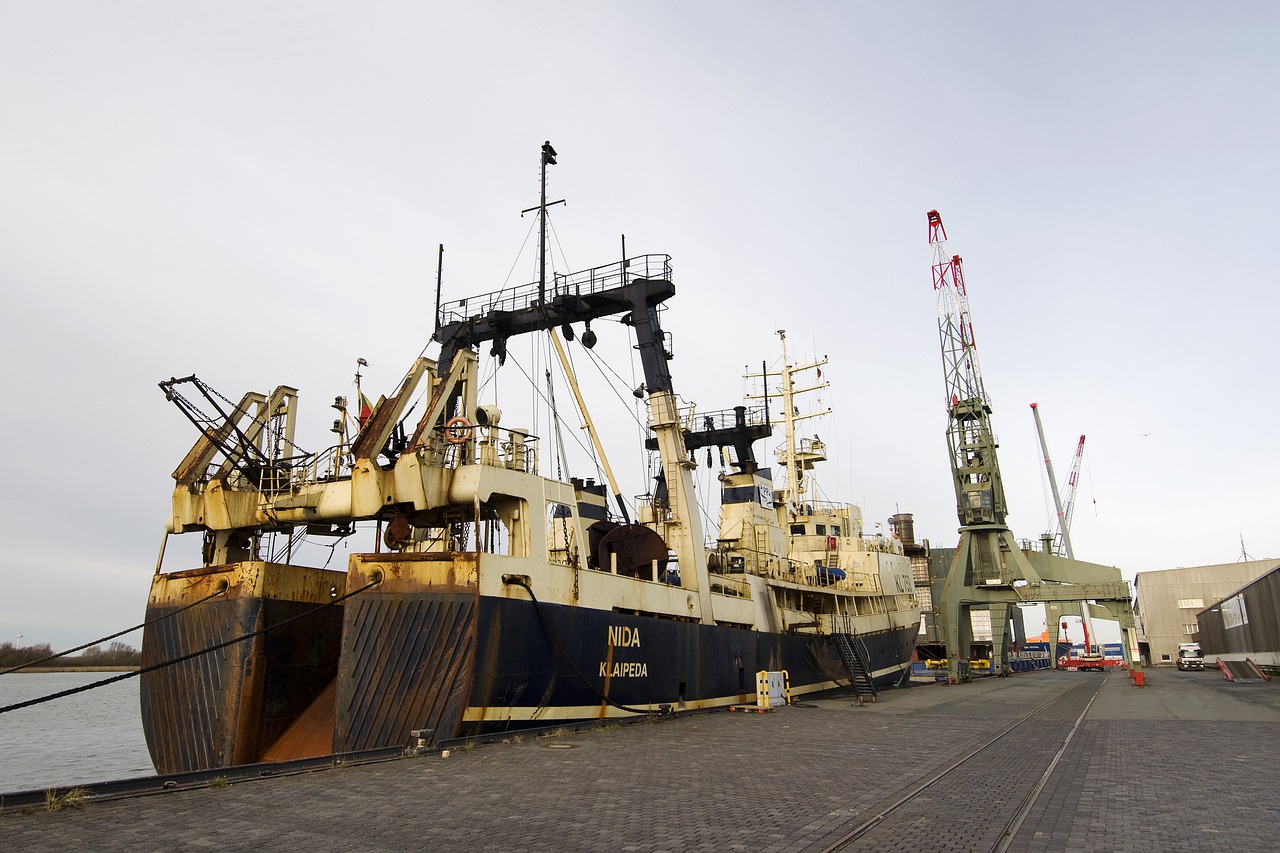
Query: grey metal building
<point x="1167" y="602"/>
<point x="1245" y="624"/>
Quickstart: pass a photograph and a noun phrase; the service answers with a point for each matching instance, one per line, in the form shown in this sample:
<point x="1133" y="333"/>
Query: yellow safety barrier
<point x="773" y="686"/>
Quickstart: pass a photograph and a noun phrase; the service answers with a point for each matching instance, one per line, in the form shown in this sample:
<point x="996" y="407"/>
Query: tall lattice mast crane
<point x="989" y="570"/>
<point x="986" y="565"/>
<point x="979" y="488"/>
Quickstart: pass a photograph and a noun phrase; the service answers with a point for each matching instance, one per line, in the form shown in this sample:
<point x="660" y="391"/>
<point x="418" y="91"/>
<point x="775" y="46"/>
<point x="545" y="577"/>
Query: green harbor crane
<point x="989" y="570"/>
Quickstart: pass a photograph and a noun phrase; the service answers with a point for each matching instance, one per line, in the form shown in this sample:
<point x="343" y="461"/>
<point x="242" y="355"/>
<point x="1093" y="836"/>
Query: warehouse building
<point x="1245" y="625"/>
<point x="1167" y="603"/>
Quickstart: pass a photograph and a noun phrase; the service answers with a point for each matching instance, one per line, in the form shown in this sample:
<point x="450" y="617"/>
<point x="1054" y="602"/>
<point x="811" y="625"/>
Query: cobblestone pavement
<point x="1184" y="764"/>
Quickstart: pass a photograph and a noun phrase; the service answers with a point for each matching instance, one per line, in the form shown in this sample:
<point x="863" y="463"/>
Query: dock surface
<point x="1047" y="761"/>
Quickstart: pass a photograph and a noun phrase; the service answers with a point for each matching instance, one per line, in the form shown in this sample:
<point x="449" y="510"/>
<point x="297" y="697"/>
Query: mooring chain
<point x="186" y="657"/>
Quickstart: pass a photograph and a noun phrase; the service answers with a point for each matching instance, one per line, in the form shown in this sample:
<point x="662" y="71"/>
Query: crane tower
<point x="989" y="569"/>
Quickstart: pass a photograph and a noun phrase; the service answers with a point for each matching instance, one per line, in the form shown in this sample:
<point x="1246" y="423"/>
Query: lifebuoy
<point x="457" y="430"/>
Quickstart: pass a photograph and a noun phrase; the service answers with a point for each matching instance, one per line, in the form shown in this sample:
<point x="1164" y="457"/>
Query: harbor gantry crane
<point x="989" y="570"/>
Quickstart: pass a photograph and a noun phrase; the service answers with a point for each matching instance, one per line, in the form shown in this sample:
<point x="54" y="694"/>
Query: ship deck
<point x="1039" y="761"/>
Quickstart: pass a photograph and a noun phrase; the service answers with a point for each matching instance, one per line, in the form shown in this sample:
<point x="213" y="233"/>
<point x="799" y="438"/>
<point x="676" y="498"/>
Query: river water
<point x="94" y="736"/>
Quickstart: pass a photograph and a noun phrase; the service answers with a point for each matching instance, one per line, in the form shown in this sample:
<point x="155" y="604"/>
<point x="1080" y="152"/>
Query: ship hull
<point x="425" y="651"/>
<point x="558" y="663"/>
<point x="228" y="705"/>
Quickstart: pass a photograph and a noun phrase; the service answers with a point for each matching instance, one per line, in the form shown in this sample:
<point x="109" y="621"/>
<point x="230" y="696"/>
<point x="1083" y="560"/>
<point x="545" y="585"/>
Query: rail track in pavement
<point x="982" y="797"/>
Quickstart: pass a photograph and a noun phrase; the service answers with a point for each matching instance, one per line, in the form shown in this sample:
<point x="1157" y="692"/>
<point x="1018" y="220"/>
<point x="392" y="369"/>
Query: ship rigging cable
<point x="104" y="682"/>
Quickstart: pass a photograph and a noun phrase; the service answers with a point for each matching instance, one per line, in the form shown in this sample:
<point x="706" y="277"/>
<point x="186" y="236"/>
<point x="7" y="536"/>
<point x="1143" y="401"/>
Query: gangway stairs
<point x="853" y="651"/>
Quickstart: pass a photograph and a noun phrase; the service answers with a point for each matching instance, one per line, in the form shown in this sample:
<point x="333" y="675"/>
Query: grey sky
<point x="254" y="192"/>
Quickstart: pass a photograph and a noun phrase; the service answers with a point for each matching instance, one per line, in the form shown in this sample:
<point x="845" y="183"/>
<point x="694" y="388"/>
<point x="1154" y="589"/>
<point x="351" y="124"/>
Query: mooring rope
<point x="186" y="657"/>
<point x="551" y="635"/>
<point x="116" y="634"/>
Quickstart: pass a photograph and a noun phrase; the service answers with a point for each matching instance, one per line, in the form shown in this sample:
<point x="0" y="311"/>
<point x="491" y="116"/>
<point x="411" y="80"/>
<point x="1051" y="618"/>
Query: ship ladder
<point x="853" y="651"/>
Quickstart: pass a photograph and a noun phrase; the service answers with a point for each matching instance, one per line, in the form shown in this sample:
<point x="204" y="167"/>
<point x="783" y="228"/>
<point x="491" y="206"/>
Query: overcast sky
<point x="255" y="193"/>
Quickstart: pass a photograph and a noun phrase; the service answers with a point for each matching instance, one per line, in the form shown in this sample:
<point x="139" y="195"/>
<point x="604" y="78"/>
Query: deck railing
<point x="580" y="284"/>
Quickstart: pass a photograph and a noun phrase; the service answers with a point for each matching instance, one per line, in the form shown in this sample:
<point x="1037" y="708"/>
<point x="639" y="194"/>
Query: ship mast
<point x="798" y="455"/>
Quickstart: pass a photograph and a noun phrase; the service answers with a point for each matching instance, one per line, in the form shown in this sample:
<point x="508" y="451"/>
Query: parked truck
<point x="1190" y="656"/>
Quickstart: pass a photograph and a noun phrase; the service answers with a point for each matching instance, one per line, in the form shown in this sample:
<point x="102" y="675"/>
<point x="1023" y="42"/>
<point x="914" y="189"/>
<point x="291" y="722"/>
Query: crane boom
<point x="1073" y="480"/>
<point x="1062" y="532"/>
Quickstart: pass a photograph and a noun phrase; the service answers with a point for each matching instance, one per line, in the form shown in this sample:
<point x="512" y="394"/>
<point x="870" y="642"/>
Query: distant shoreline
<point x="44" y="669"/>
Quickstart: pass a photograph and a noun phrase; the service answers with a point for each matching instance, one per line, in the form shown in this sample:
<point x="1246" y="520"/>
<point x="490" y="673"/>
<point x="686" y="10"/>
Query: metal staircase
<point x="856" y="659"/>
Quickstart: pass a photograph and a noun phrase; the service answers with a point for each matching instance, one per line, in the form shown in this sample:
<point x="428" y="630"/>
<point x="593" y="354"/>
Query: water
<point x="94" y="736"/>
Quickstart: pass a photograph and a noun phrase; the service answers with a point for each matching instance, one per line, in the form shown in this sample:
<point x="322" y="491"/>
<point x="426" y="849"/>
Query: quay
<point x="1046" y="761"/>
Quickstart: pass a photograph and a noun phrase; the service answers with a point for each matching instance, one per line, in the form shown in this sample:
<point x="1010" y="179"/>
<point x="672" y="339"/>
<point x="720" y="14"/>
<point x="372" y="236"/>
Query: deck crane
<point x="989" y="569"/>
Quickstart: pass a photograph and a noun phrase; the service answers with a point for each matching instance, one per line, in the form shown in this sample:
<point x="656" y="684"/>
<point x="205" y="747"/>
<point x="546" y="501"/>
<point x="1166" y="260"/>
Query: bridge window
<point x="797" y="530"/>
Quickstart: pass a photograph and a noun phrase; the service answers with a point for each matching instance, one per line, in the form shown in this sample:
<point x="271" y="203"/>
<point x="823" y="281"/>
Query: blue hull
<point x="509" y="664"/>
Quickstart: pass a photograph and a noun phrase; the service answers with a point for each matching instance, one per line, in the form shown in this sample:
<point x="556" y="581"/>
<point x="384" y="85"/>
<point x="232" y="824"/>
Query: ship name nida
<point x="624" y="635"/>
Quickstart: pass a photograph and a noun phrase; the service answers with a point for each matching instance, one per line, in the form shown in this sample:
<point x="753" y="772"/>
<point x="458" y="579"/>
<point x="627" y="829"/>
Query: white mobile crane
<point x="1059" y="539"/>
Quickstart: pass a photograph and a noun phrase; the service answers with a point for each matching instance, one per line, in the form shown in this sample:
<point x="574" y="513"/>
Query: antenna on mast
<point x="439" y="279"/>
<point x="548" y="159"/>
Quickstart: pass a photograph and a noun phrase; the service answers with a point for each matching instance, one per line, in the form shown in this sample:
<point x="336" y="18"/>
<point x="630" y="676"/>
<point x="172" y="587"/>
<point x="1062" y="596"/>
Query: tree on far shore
<point x="116" y="654"/>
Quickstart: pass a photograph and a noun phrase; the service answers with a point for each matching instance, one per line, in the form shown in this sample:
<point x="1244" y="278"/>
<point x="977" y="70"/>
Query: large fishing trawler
<point x="495" y="597"/>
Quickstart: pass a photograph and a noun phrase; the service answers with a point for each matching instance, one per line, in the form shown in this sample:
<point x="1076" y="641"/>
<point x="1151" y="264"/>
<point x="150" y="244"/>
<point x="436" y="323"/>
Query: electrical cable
<point x="555" y="641"/>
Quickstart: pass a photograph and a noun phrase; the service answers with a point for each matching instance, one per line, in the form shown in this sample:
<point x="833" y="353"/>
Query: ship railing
<point x="794" y="571"/>
<point x="865" y="583"/>
<point x="881" y="543"/>
<point x="736" y="586"/>
<point x="820" y="542"/>
<point x="514" y="449"/>
<point x="649" y="510"/>
<point x="583" y="283"/>
<point x="274" y="477"/>
<point x="739" y="560"/>
<point x="331" y="464"/>
<point x="694" y="421"/>
<point x="1038" y="545"/>
<point x="820" y="507"/>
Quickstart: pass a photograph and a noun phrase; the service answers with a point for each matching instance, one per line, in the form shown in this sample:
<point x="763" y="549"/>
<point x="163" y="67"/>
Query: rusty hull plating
<point x="230" y="705"/>
<point x="408" y="648"/>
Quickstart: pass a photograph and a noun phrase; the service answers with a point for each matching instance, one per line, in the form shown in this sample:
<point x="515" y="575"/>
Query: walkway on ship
<point x="1057" y="761"/>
